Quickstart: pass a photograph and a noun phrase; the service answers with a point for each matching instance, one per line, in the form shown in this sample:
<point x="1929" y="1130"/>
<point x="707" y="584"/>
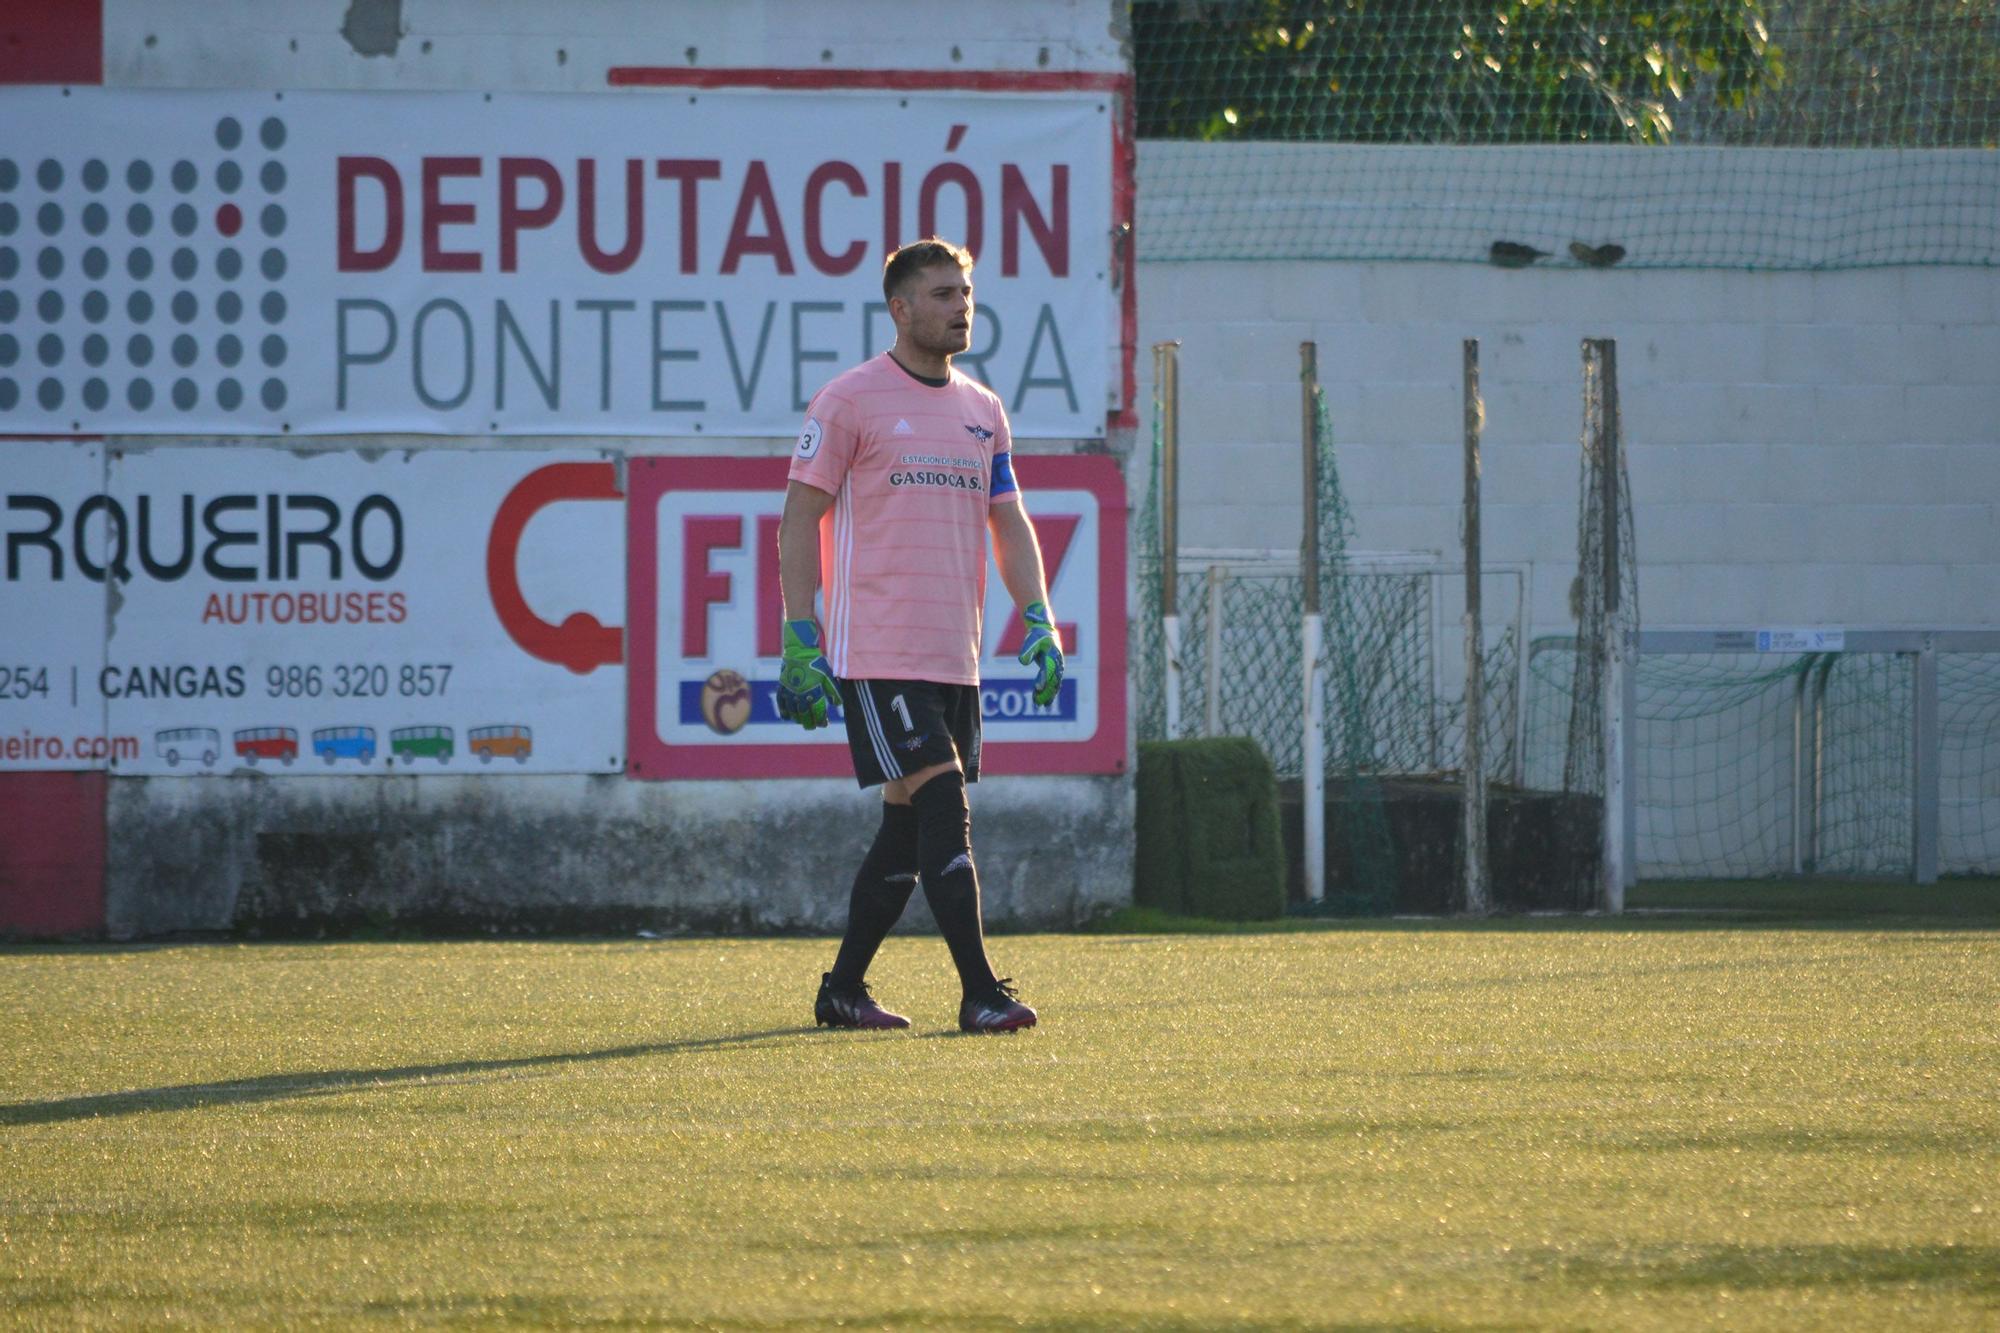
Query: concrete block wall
<point x="1804" y="447"/>
<point x="571" y="853"/>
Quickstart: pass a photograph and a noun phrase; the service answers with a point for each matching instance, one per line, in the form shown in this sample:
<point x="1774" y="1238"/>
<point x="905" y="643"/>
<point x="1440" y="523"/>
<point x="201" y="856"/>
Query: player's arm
<point x="1018" y="553"/>
<point x="798" y="547"/>
<point x="806" y="687"/>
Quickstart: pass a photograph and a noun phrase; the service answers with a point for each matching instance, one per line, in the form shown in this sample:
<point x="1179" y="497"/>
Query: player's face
<point x="939" y="301"/>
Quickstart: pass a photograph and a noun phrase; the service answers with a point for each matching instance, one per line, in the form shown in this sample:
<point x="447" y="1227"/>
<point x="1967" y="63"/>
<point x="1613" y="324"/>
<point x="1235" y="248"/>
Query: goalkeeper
<point x="902" y="470"/>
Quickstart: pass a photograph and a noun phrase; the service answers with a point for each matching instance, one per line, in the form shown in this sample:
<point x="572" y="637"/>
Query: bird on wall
<point x="1596" y="256"/>
<point x="1513" y="254"/>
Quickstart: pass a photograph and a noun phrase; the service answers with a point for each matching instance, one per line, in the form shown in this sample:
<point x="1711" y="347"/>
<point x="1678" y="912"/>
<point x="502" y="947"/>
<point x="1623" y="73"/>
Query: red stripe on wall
<point x="905" y="80"/>
<point x="51" y="854"/>
<point x="52" y="41"/>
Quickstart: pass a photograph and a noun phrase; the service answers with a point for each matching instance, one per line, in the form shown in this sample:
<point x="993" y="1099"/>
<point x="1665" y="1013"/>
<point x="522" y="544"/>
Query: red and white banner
<point x="198" y="611"/>
<point x="663" y="263"/>
<point x="706" y="608"/>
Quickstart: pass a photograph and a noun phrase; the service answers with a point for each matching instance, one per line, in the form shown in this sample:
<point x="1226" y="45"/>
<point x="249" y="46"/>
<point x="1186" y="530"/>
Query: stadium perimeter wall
<point x="1805" y="447"/>
<point x="138" y="855"/>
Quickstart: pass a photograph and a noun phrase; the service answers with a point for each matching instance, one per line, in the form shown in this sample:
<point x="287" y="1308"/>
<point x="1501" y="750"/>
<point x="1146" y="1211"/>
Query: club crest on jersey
<point x="980" y="433"/>
<point x="809" y="438"/>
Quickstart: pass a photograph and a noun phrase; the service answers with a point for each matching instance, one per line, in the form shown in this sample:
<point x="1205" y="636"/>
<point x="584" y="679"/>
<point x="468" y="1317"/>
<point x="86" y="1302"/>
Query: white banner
<point x="206" y="610"/>
<point x="640" y="263"/>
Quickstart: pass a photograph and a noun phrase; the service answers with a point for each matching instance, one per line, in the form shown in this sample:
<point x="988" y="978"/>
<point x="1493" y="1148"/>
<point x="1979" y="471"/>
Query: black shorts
<point x="899" y="727"/>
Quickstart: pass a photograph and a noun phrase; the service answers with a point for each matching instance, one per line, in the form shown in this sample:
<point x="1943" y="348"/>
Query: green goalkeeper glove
<point x="805" y="682"/>
<point x="1043" y="652"/>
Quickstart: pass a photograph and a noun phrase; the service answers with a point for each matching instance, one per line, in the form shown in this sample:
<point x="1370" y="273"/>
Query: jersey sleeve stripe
<point x="1003" y="475"/>
<point x="835" y="581"/>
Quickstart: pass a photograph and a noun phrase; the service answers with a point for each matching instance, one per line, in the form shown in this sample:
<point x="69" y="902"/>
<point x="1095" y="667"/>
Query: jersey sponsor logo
<point x="979" y="433"/>
<point x="809" y="438"/>
<point x="938" y="460"/>
<point x="951" y="481"/>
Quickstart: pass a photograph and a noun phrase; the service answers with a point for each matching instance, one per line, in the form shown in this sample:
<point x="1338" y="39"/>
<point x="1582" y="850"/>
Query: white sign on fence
<point x="1801" y="640"/>
<point x="633" y="263"/>
<point x="203" y="610"/>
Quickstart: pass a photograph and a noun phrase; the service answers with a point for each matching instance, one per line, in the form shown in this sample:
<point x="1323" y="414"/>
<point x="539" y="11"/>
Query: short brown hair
<point x="917" y="256"/>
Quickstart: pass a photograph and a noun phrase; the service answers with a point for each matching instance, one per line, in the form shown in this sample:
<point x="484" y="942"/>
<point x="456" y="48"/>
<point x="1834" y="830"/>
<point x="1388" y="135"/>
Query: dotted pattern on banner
<point x="142" y="233"/>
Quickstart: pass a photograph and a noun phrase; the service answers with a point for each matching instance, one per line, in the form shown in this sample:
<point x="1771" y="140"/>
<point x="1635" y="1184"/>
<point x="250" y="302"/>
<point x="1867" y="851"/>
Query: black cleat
<point x="849" y="1005"/>
<point x="995" y="1010"/>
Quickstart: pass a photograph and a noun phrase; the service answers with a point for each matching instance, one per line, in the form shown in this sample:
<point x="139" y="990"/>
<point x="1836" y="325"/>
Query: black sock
<point x="951" y="885"/>
<point x="882" y="889"/>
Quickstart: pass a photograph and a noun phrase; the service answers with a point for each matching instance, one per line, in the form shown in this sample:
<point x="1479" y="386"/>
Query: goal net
<point x="1749" y="763"/>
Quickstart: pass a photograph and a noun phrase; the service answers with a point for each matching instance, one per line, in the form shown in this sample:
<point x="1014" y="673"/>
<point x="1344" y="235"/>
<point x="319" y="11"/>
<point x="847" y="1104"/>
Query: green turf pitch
<point x="1632" y="1124"/>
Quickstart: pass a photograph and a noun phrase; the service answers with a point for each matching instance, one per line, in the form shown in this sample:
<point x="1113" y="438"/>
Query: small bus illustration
<point x="332" y="743"/>
<point x="489" y="742"/>
<point x="204" y="743"/>
<point x="413" y="743"/>
<point x="254" y="743"/>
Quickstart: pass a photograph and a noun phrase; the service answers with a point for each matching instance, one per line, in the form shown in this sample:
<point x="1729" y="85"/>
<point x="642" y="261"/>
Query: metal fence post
<point x="1478" y="899"/>
<point x="1925" y="795"/>
<point x="1312" y="773"/>
<point x="1166" y="372"/>
<point x="1801" y="767"/>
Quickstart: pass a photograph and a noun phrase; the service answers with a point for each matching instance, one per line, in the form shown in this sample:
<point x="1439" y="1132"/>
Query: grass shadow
<point x="1973" y="1268"/>
<point x="316" y="1083"/>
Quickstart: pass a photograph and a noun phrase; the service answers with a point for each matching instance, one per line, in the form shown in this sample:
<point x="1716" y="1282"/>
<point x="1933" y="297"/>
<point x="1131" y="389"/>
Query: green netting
<point x="1358" y="685"/>
<point x="1605" y="602"/>
<point x="1501" y="710"/>
<point x="1969" y="763"/>
<point x="1325" y="131"/>
<point x="1148" y="643"/>
<point x="1750" y="764"/>
<point x="1866" y="823"/>
<point x="1712" y="765"/>
<point x="1711" y="750"/>
<point x="1254" y="678"/>
<point x="1400" y="721"/>
<point x="1386" y="709"/>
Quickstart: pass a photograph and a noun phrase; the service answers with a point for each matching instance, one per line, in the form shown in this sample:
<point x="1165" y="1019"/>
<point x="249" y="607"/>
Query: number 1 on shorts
<point x="903" y="711"/>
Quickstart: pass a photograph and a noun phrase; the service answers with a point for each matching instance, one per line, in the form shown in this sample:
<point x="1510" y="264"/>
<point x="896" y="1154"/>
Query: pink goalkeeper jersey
<point x="913" y="470"/>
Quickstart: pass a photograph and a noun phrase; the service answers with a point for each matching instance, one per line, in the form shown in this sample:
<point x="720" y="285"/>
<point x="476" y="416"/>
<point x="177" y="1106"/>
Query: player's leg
<point x="882" y="886"/>
<point x="937" y="793"/>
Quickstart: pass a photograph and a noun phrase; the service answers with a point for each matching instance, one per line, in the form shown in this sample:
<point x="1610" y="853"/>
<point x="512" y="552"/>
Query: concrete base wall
<point x="586" y="854"/>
